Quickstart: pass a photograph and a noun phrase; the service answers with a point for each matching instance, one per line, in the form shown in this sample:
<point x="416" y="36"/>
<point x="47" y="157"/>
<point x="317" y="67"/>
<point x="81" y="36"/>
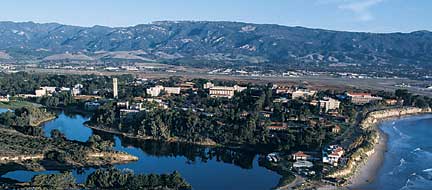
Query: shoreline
<point x="366" y="171"/>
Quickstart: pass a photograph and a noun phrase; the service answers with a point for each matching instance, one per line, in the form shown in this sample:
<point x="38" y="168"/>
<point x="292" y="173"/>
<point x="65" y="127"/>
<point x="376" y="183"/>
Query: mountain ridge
<point x="219" y="41"/>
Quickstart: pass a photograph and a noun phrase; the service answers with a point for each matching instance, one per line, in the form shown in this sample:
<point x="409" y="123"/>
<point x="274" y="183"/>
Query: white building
<point x="154" y="91"/>
<point x="362" y="98"/>
<point x="208" y="85"/>
<point x="115" y="88"/>
<point x="224" y="91"/>
<point x="44" y="91"/>
<point x="332" y="154"/>
<point x="302" y="93"/>
<point x="329" y="104"/>
<point x="172" y="90"/>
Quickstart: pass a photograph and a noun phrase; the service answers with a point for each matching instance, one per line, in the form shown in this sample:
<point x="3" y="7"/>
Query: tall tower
<point x="115" y="88"/>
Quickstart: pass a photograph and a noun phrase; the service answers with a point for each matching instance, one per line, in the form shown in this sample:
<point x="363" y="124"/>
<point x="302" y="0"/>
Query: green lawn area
<point x="17" y="104"/>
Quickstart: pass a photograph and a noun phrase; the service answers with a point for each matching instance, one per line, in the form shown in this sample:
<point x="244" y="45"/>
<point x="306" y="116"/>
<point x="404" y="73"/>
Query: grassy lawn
<point x="14" y="104"/>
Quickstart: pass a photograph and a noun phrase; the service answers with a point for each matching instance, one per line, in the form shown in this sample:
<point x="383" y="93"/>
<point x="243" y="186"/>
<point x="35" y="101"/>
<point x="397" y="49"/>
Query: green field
<point x="17" y="104"/>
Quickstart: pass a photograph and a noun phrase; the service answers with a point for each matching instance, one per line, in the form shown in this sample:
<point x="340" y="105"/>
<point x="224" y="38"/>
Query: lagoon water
<point x="203" y="168"/>
<point x="408" y="160"/>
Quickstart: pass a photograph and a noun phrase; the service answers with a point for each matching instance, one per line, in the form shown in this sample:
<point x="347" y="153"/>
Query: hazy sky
<point x="351" y="15"/>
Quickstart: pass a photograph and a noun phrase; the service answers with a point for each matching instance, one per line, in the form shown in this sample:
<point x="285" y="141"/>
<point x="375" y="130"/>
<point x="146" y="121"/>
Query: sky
<point x="381" y="16"/>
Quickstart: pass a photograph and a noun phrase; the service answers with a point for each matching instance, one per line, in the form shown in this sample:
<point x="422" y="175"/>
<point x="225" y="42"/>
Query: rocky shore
<point x="363" y="164"/>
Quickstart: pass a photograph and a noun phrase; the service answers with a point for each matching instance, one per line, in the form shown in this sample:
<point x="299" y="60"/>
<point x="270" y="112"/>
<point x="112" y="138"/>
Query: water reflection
<point x="203" y="167"/>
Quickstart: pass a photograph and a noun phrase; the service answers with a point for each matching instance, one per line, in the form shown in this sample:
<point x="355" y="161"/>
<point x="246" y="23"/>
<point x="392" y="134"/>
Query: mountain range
<point x="232" y="42"/>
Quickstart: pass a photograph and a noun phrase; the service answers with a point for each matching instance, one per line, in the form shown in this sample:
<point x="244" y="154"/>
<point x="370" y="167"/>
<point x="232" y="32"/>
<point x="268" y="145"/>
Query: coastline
<point x="367" y="173"/>
<point x="364" y="172"/>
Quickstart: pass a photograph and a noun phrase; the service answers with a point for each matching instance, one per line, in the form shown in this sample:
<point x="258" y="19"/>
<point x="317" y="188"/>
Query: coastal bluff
<point x="361" y="154"/>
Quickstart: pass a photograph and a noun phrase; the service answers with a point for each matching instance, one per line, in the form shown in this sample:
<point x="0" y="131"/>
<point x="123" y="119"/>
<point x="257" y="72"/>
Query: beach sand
<point x="367" y="172"/>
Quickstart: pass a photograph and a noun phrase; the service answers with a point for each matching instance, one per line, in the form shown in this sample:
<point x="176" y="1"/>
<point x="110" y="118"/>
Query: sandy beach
<point x="368" y="171"/>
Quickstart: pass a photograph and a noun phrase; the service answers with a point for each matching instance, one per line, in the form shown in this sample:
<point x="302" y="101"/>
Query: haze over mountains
<point x="211" y="41"/>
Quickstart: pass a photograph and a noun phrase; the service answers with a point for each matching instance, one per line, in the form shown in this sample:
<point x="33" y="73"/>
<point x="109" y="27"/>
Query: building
<point x="332" y="154"/>
<point x="302" y="93"/>
<point x="362" y="98"/>
<point x="154" y="91"/>
<point x="224" y="91"/>
<point x="123" y="105"/>
<point x="208" y="85"/>
<point x="391" y="102"/>
<point x="300" y="155"/>
<point x="4" y="98"/>
<point x="336" y="129"/>
<point x="45" y="91"/>
<point x="136" y="106"/>
<point x="277" y="126"/>
<point x="328" y="104"/>
<point x="115" y="88"/>
<point x="172" y="90"/>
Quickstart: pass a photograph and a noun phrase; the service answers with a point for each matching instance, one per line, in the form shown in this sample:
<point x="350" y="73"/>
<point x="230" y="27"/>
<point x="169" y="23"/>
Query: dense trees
<point x="110" y="178"/>
<point x="53" y="181"/>
<point x="124" y="179"/>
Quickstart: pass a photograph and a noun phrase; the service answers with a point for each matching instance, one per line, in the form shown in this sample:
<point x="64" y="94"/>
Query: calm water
<point x="408" y="160"/>
<point x="204" y="168"/>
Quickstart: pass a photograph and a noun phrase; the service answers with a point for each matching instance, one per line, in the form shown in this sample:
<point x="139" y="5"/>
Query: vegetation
<point x="116" y="179"/>
<point x="26" y="119"/>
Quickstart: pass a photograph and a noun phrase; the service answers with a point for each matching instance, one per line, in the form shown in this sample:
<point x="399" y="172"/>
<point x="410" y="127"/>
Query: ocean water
<point x="408" y="160"/>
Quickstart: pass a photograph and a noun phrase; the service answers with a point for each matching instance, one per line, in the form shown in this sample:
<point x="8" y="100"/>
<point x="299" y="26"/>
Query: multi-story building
<point x="154" y="91"/>
<point x="172" y="90"/>
<point x="302" y="93"/>
<point x="225" y="91"/>
<point x="328" y="104"/>
<point x="362" y="98"/>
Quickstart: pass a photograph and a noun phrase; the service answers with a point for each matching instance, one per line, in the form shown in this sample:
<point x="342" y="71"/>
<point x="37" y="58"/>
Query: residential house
<point x="332" y="154"/>
<point x="300" y="155"/>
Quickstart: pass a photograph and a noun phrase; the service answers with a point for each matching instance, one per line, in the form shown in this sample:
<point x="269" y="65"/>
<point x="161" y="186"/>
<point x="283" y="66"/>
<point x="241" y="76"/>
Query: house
<point x="273" y="157"/>
<point x="362" y="98"/>
<point x="332" y="154"/>
<point x="300" y="155"/>
<point x="328" y="104"/>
